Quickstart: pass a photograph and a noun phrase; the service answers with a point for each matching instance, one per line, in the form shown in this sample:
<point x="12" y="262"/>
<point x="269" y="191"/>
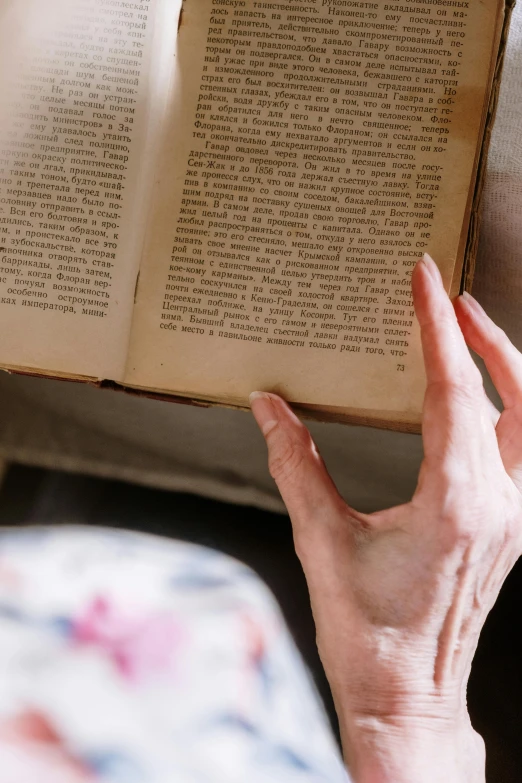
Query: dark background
<point x="264" y="541"/>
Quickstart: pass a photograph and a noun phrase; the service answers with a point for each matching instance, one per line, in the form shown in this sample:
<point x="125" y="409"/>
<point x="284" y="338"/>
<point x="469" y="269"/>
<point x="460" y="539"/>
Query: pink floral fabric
<point x="131" y="659"/>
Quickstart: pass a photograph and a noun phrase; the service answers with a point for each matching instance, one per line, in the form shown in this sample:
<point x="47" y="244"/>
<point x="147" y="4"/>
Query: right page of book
<point x="314" y="150"/>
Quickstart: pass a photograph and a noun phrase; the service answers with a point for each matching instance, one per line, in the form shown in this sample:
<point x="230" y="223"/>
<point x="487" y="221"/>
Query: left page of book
<point x="81" y="86"/>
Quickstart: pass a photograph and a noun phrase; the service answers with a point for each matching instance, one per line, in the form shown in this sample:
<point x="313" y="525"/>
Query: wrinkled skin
<point x="400" y="597"/>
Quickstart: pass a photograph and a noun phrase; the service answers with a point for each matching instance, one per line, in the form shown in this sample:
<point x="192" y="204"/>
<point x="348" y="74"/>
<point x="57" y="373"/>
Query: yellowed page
<point x="76" y="106"/>
<point x="314" y="151"/>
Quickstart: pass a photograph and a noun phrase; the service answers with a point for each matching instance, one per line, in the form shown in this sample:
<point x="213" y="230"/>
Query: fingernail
<point x="431" y="266"/>
<point x="265" y="412"/>
<point x="472" y="303"/>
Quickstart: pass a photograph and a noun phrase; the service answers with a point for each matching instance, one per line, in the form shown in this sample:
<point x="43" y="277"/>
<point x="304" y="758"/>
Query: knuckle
<point x="461" y="503"/>
<point x="459" y="525"/>
<point x="497" y="337"/>
<point x="286" y="460"/>
<point x="470" y="513"/>
<point x="467" y="390"/>
<point x="470" y="377"/>
<point x="473" y="510"/>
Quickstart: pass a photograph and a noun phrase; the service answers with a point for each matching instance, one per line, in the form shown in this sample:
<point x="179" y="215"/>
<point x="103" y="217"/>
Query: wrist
<point x="412" y="750"/>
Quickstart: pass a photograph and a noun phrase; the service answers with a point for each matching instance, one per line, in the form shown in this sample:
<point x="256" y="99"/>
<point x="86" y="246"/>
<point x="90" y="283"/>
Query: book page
<point x="315" y="149"/>
<point x="76" y="102"/>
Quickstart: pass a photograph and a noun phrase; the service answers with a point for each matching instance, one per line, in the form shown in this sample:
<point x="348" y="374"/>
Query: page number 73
<point x="401" y="368"/>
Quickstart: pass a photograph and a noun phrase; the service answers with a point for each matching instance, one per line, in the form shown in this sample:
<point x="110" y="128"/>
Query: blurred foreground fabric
<point x="128" y="658"/>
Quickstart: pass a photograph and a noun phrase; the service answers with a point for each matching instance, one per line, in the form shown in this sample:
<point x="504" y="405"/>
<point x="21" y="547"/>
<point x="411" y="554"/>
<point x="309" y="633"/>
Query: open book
<point x="201" y="200"/>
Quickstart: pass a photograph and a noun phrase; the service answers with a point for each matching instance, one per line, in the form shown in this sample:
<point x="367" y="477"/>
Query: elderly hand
<point x="400" y="597"/>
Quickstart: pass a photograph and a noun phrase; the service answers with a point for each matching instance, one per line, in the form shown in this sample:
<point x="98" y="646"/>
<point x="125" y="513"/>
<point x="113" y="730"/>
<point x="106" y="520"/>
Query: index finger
<point x="454" y="404"/>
